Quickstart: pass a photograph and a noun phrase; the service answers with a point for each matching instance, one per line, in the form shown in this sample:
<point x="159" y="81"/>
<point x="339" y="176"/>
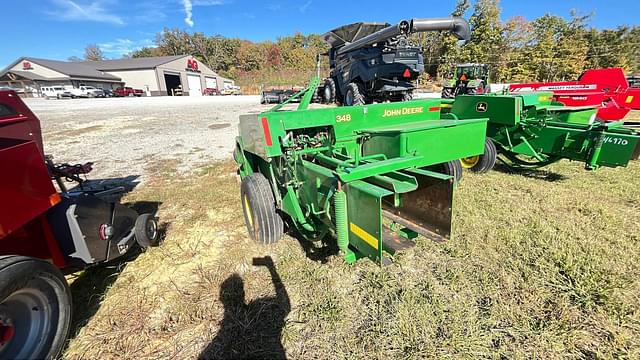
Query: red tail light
<point x="406" y="73"/>
<point x="267" y="132"/>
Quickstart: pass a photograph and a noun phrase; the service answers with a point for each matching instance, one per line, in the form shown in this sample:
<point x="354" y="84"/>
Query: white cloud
<point x="207" y="2"/>
<point x="188" y="10"/>
<point x="120" y="47"/>
<point x="68" y="10"/>
<point x="303" y="7"/>
<point x="189" y="5"/>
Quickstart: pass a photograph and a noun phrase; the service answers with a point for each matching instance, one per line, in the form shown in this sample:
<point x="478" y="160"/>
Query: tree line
<point x="547" y="48"/>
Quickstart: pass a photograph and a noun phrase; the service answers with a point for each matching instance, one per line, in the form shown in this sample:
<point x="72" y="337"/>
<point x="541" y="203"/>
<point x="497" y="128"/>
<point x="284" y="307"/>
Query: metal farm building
<point x="156" y="76"/>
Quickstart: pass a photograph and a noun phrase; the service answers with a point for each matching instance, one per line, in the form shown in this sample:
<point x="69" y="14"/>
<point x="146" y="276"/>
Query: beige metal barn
<point x="157" y="76"/>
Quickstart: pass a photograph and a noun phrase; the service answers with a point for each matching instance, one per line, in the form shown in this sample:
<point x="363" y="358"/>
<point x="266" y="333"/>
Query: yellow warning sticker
<point x="629" y="99"/>
<point x="362" y="234"/>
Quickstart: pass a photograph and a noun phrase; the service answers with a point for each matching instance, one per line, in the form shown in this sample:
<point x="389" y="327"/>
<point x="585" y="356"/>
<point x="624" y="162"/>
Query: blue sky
<point x="58" y="29"/>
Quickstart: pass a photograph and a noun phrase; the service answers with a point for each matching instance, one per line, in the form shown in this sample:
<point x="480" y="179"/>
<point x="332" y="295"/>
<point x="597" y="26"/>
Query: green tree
<point x="487" y="44"/>
<point x="449" y="53"/>
<point x="146" y="52"/>
<point x="174" y="42"/>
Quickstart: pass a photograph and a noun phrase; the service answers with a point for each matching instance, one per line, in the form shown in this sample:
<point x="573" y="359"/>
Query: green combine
<point x="529" y="131"/>
<point x="374" y="177"/>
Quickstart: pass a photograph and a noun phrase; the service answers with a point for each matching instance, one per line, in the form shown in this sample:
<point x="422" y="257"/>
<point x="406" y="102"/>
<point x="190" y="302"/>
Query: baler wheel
<point x="354" y="95"/>
<point x="452" y="168"/>
<point x="146" y="231"/>
<point x="483" y="163"/>
<point x="35" y="308"/>
<point x="264" y="224"/>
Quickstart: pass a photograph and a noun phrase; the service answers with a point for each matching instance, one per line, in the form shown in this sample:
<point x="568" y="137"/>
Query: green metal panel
<point x="365" y="227"/>
<point x="498" y="109"/>
<point x="434" y="141"/>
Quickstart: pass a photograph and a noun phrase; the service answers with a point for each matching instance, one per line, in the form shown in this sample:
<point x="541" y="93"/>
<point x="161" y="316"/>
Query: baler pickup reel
<point x="367" y="176"/>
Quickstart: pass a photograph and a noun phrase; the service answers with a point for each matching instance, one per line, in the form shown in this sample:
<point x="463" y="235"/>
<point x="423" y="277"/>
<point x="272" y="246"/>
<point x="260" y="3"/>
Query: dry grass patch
<point x="542" y="265"/>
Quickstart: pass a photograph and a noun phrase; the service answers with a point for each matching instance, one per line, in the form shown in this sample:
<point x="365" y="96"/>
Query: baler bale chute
<point x="530" y="130"/>
<point x="363" y="174"/>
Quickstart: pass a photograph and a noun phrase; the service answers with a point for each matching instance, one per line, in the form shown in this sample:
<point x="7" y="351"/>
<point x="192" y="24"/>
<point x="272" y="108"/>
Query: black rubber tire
<point x="447" y="93"/>
<point x="329" y="95"/>
<point x="317" y="98"/>
<point x="146" y="231"/>
<point x="263" y="222"/>
<point x="452" y="168"/>
<point x="488" y="160"/>
<point x="354" y="92"/>
<point x="20" y="277"/>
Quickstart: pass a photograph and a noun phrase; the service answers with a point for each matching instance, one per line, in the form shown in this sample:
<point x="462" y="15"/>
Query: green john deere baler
<point x="528" y="130"/>
<point x="364" y="175"/>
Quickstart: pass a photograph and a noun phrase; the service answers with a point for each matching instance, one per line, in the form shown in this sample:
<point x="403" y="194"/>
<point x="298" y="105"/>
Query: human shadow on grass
<point x="250" y="330"/>
<point x="538" y="174"/>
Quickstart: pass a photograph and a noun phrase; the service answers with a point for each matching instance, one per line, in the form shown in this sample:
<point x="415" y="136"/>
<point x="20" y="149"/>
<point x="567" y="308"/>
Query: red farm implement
<point x="606" y="88"/>
<point x="46" y="232"/>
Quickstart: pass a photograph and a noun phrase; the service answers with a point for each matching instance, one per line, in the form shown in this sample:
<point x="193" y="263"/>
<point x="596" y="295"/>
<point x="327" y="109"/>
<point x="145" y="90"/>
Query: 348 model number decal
<point x="343" y="118"/>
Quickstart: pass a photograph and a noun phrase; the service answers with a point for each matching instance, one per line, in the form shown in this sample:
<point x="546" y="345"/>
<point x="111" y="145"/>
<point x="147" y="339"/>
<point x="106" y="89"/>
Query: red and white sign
<point x="26" y="65"/>
<point x="192" y="64"/>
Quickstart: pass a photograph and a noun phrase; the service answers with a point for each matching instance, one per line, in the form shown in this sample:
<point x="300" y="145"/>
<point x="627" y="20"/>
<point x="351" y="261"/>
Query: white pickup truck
<point x="82" y="91"/>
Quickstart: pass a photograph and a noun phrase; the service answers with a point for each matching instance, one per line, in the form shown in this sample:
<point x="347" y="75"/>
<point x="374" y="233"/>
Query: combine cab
<point x="374" y="177"/>
<point x="45" y="232"/>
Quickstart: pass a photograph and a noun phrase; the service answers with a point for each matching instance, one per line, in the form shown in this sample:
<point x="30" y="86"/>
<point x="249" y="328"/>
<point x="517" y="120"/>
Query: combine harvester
<point x="530" y="130"/>
<point x="607" y="89"/>
<point x="365" y="174"/>
<point x="376" y="62"/>
<point x="45" y="233"/>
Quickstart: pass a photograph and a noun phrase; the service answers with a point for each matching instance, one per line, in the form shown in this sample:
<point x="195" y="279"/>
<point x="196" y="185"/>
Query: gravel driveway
<point x="128" y="136"/>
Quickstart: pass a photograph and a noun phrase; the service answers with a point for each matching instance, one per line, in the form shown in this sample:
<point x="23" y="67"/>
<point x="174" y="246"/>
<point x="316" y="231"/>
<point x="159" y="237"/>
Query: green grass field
<point x="542" y="265"/>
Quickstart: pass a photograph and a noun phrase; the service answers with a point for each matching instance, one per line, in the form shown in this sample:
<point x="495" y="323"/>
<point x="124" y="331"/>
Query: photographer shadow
<point x="250" y="330"/>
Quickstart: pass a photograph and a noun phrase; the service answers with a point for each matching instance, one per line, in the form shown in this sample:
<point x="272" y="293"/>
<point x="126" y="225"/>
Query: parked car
<point x="210" y="92"/>
<point x="106" y="93"/>
<point x="277" y="96"/>
<point x="231" y="90"/>
<point x="128" y="91"/>
<point x="82" y="91"/>
<point x="52" y="91"/>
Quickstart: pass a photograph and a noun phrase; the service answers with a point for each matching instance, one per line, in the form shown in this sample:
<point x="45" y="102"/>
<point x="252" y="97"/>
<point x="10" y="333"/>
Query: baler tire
<point x="35" y="308"/>
<point x="146" y="231"/>
<point x="487" y="161"/>
<point x="263" y="222"/>
<point x="453" y="168"/>
<point x="356" y="95"/>
<point x="329" y="95"/>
